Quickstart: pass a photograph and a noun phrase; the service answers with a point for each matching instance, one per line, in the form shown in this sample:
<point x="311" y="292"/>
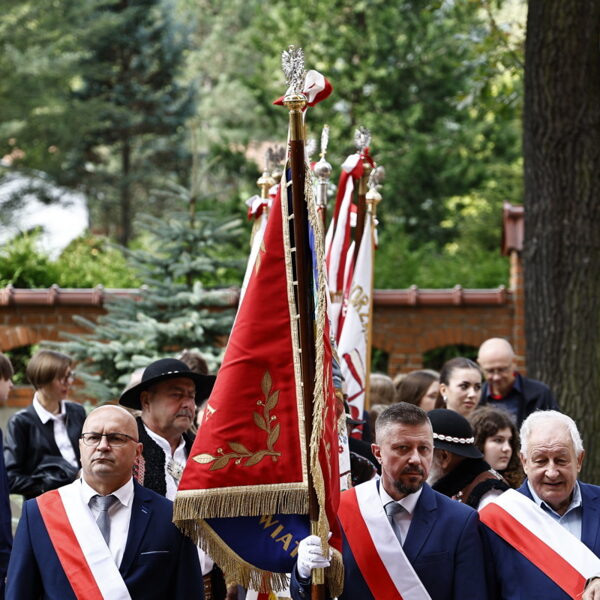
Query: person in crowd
<point x="424" y="542"/>
<point x="497" y="437"/>
<point x="374" y="411"/>
<point x="6" y="384"/>
<point x="458" y="469"/>
<point x="460" y="385"/>
<point x="104" y="535"/>
<point x="381" y="389"/>
<point x="41" y="451"/>
<point x="506" y="388"/>
<point x="167" y="396"/>
<point x="554" y="512"/>
<point x="419" y="387"/>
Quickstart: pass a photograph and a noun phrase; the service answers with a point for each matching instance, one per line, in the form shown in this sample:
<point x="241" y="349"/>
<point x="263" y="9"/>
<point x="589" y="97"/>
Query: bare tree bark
<point x="562" y="209"/>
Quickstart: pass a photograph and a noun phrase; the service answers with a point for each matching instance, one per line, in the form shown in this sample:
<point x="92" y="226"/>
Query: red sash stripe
<point x="534" y="549"/>
<point x="370" y="564"/>
<point x="67" y="547"/>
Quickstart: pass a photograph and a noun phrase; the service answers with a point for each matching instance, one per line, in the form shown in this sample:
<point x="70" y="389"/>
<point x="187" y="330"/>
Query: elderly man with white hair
<point x="544" y="538"/>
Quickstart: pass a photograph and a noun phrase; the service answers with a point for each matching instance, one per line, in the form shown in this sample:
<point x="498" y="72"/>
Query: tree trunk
<point x="125" y="198"/>
<point x="562" y="209"/>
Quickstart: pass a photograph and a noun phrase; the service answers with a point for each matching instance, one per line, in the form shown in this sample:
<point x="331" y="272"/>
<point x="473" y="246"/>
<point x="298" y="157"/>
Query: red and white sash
<point x="376" y="549"/>
<point x="81" y="549"/>
<point x="544" y="542"/>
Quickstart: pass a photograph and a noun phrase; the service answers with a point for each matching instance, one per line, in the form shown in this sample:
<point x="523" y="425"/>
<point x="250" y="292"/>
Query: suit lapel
<point x="140" y="517"/>
<point x="590" y="525"/>
<point x="422" y="523"/>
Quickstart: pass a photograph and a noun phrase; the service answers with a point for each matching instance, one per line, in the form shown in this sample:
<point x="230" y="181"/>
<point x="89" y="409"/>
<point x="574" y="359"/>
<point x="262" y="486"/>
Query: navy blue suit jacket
<point x="443" y="545"/>
<point x="159" y="561"/>
<point x="513" y="577"/>
<point x="5" y="523"/>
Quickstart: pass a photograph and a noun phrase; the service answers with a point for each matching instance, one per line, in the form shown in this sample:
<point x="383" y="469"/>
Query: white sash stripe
<point x="94" y="548"/>
<point x="549" y="531"/>
<point x="386" y="543"/>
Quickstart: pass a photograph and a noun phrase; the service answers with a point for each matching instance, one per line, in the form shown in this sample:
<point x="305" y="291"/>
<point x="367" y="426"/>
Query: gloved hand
<point x="310" y="556"/>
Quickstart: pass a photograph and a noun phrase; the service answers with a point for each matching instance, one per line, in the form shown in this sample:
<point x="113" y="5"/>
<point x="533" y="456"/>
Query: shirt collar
<point x="124" y="493"/>
<point x="408" y="502"/>
<point x="575" y="501"/>
<point x="162" y="442"/>
<point x="46" y="415"/>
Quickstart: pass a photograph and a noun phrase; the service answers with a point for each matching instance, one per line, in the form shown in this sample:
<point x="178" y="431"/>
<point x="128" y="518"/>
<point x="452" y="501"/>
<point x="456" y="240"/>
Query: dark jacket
<point x="471" y="479"/>
<point x="159" y="561"/>
<point x="514" y="577"/>
<point x="34" y="464"/>
<point x="532" y="395"/>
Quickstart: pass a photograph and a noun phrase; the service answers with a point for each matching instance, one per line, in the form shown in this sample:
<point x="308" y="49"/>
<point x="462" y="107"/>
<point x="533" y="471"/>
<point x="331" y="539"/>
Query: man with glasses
<point x="104" y="535"/>
<point x="506" y="388"/>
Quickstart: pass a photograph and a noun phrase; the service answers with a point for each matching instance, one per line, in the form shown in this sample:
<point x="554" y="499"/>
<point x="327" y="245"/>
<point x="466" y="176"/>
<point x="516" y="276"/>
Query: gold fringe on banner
<point x="239" y="502"/>
<point x="236" y="568"/>
<point x="334" y="574"/>
<point x="320" y="400"/>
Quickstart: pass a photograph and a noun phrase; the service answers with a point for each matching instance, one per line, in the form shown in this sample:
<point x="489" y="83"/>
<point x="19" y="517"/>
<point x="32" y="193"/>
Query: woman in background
<point x="41" y="450"/>
<point x="497" y="437"/>
<point x="460" y="385"/>
<point x="420" y="388"/>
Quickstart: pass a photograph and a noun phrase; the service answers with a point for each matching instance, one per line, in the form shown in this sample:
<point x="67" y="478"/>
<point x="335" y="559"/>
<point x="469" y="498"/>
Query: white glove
<point x="310" y="556"/>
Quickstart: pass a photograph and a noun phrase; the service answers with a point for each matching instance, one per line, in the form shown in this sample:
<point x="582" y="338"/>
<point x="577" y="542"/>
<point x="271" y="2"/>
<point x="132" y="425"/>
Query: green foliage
<point x="397" y="265"/>
<point x="87" y="261"/>
<point x="184" y="255"/>
<point x="92" y="260"/>
<point x="24" y="265"/>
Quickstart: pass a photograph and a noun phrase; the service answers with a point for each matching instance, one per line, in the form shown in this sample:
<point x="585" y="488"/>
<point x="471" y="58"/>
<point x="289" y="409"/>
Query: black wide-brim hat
<point x="452" y="432"/>
<point x="161" y="370"/>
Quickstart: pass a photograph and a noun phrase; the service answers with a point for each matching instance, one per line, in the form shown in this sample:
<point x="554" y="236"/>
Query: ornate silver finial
<point x="292" y="64"/>
<point x="309" y="148"/>
<point x="376" y="177"/>
<point x="362" y="138"/>
<point x="324" y="140"/>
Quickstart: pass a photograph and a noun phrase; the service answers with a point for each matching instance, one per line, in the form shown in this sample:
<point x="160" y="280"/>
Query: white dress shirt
<point x="119" y="514"/>
<point x="61" y="437"/>
<point x="402" y="519"/>
<point x="179" y="457"/>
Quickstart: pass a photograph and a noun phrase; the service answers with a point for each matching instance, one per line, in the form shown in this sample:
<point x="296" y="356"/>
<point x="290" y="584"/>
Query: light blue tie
<point x="103" y="503"/>
<point x="391" y="509"/>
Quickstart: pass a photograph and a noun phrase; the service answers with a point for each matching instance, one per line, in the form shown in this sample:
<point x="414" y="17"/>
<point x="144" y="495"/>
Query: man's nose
<point x="103" y="444"/>
<point x="414" y="456"/>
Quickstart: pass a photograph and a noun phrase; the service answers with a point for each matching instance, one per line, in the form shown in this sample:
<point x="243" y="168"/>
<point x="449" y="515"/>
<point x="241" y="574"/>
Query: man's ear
<point x="376" y="450"/>
<point x="445" y="458"/>
<point x="144" y="399"/>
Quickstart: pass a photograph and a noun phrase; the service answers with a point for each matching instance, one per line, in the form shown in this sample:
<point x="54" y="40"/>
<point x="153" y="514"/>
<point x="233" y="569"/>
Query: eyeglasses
<point x="497" y="371"/>
<point x="67" y="377"/>
<point x="114" y="440"/>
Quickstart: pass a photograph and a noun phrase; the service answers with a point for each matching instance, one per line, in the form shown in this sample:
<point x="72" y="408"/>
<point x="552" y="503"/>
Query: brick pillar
<point x="518" y="328"/>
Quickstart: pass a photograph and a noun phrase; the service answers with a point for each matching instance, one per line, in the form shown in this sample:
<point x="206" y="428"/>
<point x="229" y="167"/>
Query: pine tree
<point x="131" y="83"/>
<point x="179" y="306"/>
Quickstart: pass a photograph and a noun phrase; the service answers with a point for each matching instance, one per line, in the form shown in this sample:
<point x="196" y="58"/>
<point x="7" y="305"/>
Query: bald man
<point x="103" y="535"/>
<point x="506" y="388"/>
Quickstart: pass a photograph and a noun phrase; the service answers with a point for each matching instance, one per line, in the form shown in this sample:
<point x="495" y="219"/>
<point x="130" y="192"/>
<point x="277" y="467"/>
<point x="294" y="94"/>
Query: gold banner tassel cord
<point x="373" y="198"/>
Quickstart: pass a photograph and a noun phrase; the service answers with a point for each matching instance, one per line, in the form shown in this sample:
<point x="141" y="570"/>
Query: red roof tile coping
<point x="413" y="296"/>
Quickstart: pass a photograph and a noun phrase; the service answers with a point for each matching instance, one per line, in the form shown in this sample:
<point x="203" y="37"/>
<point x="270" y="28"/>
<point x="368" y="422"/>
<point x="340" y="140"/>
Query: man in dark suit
<point x="103" y="536"/>
<point x="400" y="536"/>
<point x="547" y="554"/>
